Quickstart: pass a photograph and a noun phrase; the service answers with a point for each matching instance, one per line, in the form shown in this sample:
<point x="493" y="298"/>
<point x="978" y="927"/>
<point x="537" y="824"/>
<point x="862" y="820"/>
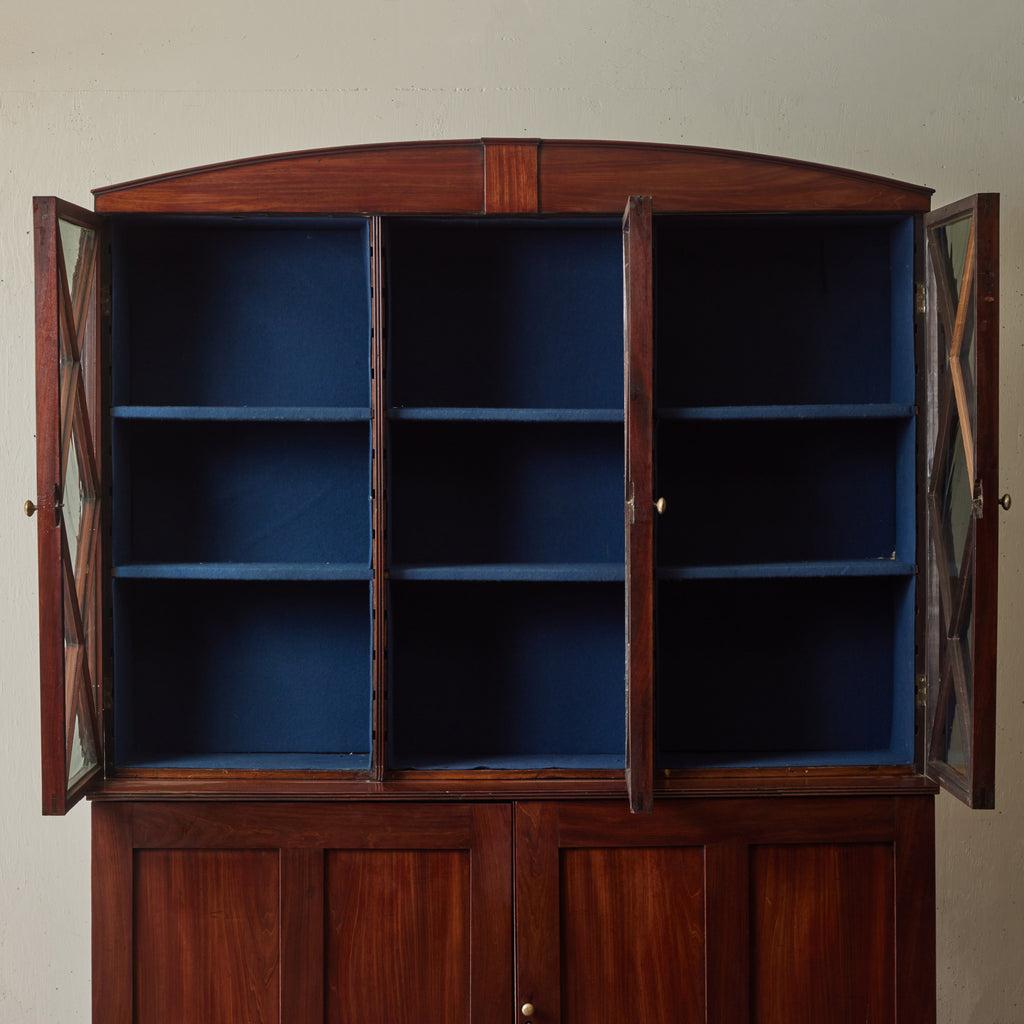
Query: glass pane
<point x="968" y="362"/>
<point x="74" y="496"/>
<point x="967" y="640"/>
<point x="954" y="238"/>
<point x="76" y="243"/>
<point x="956" y="751"/>
<point x="82" y="755"/>
<point x="957" y="504"/>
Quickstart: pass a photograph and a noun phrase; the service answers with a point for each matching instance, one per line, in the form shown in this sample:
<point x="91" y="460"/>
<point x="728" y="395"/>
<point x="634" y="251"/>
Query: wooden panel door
<point x="727" y="912"/>
<point x="963" y="495"/>
<point x="68" y="503"/>
<point x="294" y="914"/>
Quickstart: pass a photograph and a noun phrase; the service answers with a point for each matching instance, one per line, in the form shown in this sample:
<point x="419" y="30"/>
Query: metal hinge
<point x="978" y="505"/>
<point x="922" y="692"/>
<point x="631" y="506"/>
<point x="921" y="298"/>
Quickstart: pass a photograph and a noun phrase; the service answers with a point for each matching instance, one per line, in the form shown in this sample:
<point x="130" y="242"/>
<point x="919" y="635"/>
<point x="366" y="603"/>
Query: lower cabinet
<point x="294" y="913"/>
<point x="768" y="910"/>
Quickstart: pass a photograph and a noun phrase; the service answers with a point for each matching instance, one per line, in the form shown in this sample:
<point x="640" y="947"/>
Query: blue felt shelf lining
<point x="297" y="571"/>
<point x="503" y="494"/>
<point x="813" y="311"/>
<point x="783" y="491"/>
<point x="849" y="411"/>
<point x="521" y="762"/>
<point x="262" y="761"/>
<point x="249" y="312"/>
<point x="508" y="672"/>
<point x="549" y="572"/>
<point x="787" y="570"/>
<point x="793" y="671"/>
<point x="242" y="414"/>
<point x="785" y="759"/>
<point x="225" y="492"/>
<point x="239" y="327"/>
<point x="491" y="414"/>
<point x="217" y="668"/>
<point x="509" y="314"/>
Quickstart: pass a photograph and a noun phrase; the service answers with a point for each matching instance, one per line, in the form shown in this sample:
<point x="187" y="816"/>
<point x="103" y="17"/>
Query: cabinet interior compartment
<point x="243" y="675"/>
<point x="768" y="492"/>
<point x="788" y="310"/>
<point x="759" y="673"/>
<point x="507" y="494"/>
<point x="505" y="313"/>
<point x="240" y="311"/>
<point x="506" y="675"/>
<point x="242" y="492"/>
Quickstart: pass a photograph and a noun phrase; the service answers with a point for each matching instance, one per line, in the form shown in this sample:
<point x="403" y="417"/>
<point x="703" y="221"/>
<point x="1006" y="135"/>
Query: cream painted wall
<point x="97" y="92"/>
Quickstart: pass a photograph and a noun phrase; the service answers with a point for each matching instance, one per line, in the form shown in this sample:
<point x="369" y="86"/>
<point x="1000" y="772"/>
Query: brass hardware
<point x="660" y="506"/>
<point x="922" y="692"/>
<point x="31" y="506"/>
<point x="921" y="299"/>
<point x="527" y="1010"/>
<point x="1005" y="502"/>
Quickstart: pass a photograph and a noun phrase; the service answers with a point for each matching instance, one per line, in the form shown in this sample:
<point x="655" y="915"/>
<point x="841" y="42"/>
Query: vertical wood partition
<point x="379" y="504"/>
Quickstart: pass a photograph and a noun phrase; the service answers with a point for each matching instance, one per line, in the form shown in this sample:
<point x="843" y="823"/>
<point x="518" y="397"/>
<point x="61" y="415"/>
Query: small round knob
<point x="660" y="505"/>
<point x="30" y="508"/>
<point x="526" y="1010"/>
<point x="1005" y="502"/>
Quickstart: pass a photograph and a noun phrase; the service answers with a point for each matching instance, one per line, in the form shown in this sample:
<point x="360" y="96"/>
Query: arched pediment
<point x="511" y="176"/>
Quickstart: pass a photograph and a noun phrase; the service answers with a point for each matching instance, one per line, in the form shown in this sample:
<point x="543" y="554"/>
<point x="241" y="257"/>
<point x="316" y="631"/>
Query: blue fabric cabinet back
<point x="242" y="489"/>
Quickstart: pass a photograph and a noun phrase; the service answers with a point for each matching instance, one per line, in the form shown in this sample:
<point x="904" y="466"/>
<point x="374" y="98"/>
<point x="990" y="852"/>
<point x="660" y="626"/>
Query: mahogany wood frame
<point x="980" y="300"/>
<point x="57" y="313"/>
<point x="638" y="292"/>
<point x="525" y="177"/>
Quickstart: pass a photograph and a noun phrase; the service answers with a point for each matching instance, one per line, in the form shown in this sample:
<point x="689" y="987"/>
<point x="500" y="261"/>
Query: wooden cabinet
<point x="517" y="472"/>
<point x="722" y="910"/>
<point x="300" y="913"/>
<point x="727" y="910"/>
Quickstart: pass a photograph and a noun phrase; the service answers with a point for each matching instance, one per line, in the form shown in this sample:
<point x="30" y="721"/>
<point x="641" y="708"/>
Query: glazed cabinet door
<point x="745" y="911"/>
<point x="638" y="356"/>
<point x="963" y="495"/>
<point x="294" y="914"/>
<point x="68" y="506"/>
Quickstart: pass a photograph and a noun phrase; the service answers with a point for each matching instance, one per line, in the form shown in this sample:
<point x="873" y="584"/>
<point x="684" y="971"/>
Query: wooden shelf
<point x="788" y="570"/>
<point x="579" y="572"/>
<point x="855" y="411"/>
<point x="243" y="413"/>
<point x="487" y="414"/>
<point x="298" y="571"/>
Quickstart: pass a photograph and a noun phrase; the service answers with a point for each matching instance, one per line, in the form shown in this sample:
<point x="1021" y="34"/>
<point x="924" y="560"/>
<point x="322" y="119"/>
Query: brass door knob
<point x="660" y="506"/>
<point x="1005" y="502"/>
<point x="526" y="1010"/>
<point x="30" y="508"/>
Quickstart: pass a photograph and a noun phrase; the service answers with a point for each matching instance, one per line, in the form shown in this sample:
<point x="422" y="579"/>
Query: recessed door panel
<point x="207" y="936"/>
<point x="822" y="933"/>
<point x="398" y="936"/>
<point x="633" y="935"/>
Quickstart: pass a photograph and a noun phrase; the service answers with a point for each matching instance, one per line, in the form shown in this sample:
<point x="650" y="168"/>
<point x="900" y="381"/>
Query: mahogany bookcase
<point x="516" y="579"/>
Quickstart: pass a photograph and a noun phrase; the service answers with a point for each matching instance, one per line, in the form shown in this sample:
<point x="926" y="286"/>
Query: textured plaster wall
<point x="930" y="92"/>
